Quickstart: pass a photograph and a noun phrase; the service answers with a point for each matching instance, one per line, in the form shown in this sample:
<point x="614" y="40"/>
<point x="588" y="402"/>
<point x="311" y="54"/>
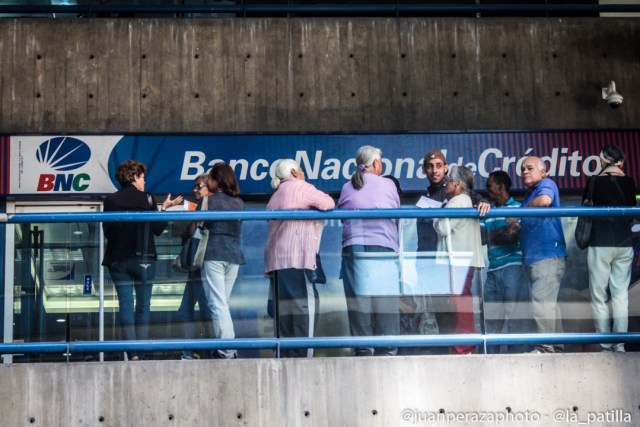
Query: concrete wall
<point x="548" y="389"/>
<point x="315" y="75"/>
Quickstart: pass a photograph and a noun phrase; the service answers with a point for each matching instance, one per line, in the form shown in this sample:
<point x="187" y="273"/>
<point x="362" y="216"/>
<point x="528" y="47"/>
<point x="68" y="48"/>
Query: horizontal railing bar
<point x="319" y="342"/>
<point x="255" y="215"/>
<point x="315" y="9"/>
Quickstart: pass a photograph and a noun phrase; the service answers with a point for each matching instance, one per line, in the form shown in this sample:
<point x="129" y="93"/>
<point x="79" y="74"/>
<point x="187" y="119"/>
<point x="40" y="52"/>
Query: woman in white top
<point x="460" y="243"/>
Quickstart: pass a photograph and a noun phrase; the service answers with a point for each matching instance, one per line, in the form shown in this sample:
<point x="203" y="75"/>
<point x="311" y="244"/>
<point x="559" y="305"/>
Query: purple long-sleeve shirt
<point x="377" y="193"/>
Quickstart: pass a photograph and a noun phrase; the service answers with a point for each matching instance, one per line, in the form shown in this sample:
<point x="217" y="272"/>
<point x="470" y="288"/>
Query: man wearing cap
<point x="435" y="167"/>
<point x="543" y="248"/>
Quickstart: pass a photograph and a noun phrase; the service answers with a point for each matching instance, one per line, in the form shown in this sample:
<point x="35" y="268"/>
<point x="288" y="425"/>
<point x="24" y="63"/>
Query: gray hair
<point x="464" y="176"/>
<point x="283" y="171"/>
<point x="202" y="177"/>
<point x="365" y="156"/>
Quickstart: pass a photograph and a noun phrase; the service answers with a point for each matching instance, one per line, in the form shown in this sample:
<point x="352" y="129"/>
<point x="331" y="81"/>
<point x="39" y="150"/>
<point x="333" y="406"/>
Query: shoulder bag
<point x="191" y="256"/>
<point x="583" y="227"/>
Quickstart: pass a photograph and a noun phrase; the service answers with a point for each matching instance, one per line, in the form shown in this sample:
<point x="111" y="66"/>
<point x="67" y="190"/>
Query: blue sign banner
<point x="87" y="163"/>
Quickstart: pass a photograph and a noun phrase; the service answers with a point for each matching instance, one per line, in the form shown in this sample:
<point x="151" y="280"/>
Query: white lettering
<point x="254" y="170"/>
<point x="331" y="169"/>
<point x="244" y="165"/>
<point x="482" y="161"/>
<point x="410" y="167"/>
<point x="387" y="167"/>
<point x="192" y="165"/>
<point x="302" y="158"/>
<point x="420" y="172"/>
<point x="589" y="171"/>
<point x="346" y="168"/>
<point x="562" y="168"/>
<point x="506" y="162"/>
<point x="574" y="158"/>
<point x="553" y="162"/>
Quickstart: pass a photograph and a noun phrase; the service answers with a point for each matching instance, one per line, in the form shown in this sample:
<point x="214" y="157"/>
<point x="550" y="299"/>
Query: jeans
<point x="507" y="295"/>
<point x="610" y="268"/>
<point x="369" y="315"/>
<point x="128" y="275"/>
<point x="546" y="276"/>
<point x="193" y="293"/>
<point x="218" y="278"/>
<point x="297" y="306"/>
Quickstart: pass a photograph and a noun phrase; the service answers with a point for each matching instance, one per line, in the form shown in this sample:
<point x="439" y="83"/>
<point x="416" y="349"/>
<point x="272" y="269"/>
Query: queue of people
<point x="526" y="257"/>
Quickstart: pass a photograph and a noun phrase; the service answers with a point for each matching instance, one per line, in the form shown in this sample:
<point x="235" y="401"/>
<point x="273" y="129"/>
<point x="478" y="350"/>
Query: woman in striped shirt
<point x="290" y="254"/>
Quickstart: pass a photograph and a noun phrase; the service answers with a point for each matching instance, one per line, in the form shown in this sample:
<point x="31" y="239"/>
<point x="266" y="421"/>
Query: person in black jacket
<point x="131" y="251"/>
<point x="610" y="251"/>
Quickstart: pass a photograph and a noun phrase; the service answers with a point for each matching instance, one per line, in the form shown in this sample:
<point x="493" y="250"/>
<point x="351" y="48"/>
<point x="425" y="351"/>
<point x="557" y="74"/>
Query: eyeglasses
<point x="198" y="187"/>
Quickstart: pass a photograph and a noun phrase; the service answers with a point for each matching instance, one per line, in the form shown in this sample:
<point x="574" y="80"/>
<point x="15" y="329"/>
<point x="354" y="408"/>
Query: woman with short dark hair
<point x="610" y="252"/>
<point x="130" y="254"/>
<point x="224" y="253"/>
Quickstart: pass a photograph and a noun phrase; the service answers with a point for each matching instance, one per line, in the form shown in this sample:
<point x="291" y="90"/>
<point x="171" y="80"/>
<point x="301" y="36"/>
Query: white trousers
<point x="610" y="267"/>
<point x="218" y="278"/>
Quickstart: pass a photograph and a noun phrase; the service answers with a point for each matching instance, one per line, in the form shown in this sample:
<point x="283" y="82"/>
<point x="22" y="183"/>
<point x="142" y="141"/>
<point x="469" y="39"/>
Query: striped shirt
<point x="294" y="243"/>
<point x="501" y="255"/>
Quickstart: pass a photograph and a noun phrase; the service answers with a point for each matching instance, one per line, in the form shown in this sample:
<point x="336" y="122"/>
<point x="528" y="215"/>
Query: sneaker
<point x="619" y="348"/>
<point x="543" y="349"/>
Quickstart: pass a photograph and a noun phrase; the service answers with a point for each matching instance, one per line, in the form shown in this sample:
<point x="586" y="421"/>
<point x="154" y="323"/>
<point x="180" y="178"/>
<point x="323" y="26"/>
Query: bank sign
<point x="86" y="164"/>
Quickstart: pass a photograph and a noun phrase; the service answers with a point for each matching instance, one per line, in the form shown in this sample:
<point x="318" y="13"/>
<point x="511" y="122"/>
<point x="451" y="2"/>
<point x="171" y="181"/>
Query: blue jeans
<point x="193" y="293"/>
<point x="507" y="297"/>
<point x="128" y="275"/>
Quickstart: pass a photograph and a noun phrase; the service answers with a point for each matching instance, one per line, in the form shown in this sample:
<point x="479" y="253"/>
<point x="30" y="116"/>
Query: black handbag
<point x="317" y="276"/>
<point x="583" y="227"/>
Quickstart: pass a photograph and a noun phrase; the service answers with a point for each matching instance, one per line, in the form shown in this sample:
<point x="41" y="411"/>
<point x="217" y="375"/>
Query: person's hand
<point x="169" y="202"/>
<point x="483" y="208"/>
<point x="513" y="226"/>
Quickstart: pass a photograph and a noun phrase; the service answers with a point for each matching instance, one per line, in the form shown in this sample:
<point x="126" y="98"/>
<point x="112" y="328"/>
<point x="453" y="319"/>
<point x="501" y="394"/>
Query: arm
<point x="480" y="203"/>
<point x="317" y="199"/>
<point x="542" y="201"/>
<point x="502" y="236"/>
<point x="442" y="226"/>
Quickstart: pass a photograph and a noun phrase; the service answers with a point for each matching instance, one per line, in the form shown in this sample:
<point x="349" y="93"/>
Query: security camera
<point x="609" y="94"/>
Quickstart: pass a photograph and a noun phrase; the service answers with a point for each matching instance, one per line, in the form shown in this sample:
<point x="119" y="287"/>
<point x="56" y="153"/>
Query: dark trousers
<point x="297" y="307"/>
<point x="127" y="275"/>
<point x="369" y="315"/>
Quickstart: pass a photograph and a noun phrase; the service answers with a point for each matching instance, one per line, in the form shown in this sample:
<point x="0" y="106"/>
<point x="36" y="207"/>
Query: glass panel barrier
<point x="56" y="272"/>
<point x="366" y="292"/>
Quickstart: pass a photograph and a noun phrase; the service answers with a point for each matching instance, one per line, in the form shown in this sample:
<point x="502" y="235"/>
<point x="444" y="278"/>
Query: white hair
<point x="365" y="156"/>
<point x="283" y="171"/>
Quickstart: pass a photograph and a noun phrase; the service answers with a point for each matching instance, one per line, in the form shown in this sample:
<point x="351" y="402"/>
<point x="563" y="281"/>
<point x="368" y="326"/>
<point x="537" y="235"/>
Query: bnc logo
<point x="63" y="154"/>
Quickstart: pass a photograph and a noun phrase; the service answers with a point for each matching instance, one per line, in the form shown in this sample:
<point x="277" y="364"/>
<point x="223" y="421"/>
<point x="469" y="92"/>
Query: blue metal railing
<point x="316" y="342"/>
<point x="257" y="215"/>
<point x="243" y="8"/>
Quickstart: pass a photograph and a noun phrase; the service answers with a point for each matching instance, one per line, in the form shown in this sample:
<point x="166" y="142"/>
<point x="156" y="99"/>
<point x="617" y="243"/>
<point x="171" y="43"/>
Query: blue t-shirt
<point x="501" y="255"/>
<point x="542" y="237"/>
